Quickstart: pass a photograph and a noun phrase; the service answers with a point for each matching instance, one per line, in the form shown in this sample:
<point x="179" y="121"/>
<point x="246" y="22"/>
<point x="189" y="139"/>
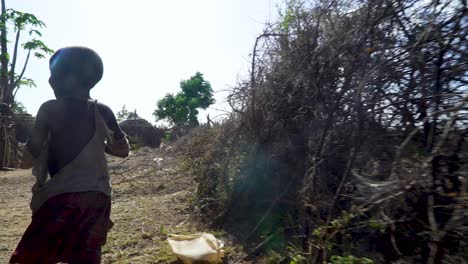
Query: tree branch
<point x="13" y="62"/>
<point x="22" y="71"/>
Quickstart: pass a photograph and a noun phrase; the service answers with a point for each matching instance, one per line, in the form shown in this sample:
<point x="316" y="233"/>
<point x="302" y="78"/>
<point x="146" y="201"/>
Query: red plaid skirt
<point x="70" y="228"/>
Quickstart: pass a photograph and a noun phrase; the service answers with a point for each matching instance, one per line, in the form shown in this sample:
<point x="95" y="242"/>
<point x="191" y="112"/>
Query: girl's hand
<point x="26" y="160"/>
<point x="36" y="187"/>
<point x="119" y="148"/>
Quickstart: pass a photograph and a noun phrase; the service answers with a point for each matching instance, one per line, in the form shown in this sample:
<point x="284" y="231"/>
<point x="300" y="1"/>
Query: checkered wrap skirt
<point x="69" y="228"/>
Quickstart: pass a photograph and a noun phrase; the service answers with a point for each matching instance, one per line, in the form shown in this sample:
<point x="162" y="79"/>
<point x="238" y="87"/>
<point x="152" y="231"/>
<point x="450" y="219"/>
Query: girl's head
<point x="74" y="71"/>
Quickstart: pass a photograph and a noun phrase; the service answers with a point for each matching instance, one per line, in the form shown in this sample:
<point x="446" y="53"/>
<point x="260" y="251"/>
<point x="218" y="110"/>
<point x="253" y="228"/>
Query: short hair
<point x="84" y="63"/>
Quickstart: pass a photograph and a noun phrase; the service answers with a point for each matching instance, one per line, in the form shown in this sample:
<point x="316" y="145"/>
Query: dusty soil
<point x="151" y="198"/>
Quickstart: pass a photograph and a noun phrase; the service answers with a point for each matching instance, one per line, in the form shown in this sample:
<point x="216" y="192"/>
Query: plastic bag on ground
<point x="197" y="248"/>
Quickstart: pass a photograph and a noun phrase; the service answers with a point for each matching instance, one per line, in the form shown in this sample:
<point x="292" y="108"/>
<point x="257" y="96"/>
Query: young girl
<point x="71" y="207"/>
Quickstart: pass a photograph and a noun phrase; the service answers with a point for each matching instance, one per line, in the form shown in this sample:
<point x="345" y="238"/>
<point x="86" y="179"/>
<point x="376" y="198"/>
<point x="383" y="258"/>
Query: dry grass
<point x="151" y="199"/>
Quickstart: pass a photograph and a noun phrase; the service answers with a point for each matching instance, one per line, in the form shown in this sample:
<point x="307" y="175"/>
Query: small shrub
<point x="350" y="260"/>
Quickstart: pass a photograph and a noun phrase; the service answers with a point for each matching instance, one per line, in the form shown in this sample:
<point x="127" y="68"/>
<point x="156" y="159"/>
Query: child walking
<point x="71" y="199"/>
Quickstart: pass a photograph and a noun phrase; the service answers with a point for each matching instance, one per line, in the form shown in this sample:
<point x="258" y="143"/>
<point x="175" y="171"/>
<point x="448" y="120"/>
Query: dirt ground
<point x="151" y="199"/>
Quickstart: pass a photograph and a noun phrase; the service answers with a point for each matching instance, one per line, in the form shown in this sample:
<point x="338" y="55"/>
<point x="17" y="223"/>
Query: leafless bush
<point x="355" y="113"/>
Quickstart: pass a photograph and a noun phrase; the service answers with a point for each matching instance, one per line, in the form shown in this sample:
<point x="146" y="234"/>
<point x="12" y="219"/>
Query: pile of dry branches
<point x="350" y="136"/>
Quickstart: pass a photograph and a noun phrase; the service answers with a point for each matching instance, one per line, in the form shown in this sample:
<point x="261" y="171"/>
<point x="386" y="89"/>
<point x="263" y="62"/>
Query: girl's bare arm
<point x="118" y="144"/>
<point x="40" y="131"/>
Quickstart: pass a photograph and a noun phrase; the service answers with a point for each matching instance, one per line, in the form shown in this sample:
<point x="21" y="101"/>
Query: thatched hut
<point x="139" y="130"/>
<point x="24" y="123"/>
<point x="142" y="132"/>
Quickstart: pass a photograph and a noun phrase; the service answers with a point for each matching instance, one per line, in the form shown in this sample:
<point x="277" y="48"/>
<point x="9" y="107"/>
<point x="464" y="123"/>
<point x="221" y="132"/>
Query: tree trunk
<point x="4" y="54"/>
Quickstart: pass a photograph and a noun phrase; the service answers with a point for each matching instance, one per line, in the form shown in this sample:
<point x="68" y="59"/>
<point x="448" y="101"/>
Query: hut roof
<point x="138" y="122"/>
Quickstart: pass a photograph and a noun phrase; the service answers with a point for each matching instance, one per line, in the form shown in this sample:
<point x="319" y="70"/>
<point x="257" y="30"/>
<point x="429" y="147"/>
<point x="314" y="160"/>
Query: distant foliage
<point x="181" y="109"/>
<point x="19" y="108"/>
<point x="122" y="114"/>
<point x="133" y="115"/>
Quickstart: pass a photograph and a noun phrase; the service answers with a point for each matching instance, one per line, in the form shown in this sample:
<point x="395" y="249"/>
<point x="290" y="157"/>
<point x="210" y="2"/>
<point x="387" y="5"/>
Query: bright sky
<point x="148" y="47"/>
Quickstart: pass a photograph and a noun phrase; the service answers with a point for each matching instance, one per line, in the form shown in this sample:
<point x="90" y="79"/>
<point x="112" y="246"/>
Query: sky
<point x="149" y="46"/>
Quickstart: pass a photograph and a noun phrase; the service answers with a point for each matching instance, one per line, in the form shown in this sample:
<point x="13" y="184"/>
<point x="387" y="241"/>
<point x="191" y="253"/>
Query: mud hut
<point x="141" y="132"/>
<point x="24" y="123"/>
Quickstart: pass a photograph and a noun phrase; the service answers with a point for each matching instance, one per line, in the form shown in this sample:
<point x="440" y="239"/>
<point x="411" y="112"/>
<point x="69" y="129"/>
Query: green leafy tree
<point x="18" y="23"/>
<point x="181" y="109"/>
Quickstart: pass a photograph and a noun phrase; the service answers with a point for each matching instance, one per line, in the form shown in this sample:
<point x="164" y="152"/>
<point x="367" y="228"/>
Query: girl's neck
<point x="77" y="95"/>
<point x="74" y="98"/>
